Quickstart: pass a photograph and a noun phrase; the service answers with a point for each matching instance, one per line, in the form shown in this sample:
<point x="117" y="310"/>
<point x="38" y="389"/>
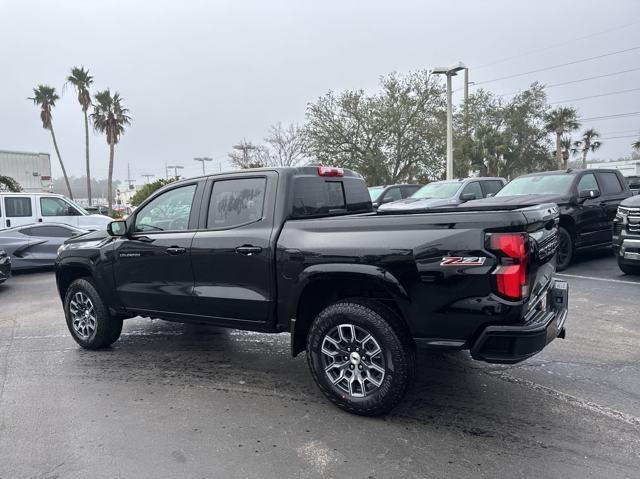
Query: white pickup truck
<point x="18" y="209"/>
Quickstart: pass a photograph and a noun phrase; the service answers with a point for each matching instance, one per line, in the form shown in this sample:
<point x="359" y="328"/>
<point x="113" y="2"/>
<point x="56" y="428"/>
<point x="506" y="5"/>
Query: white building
<point x="626" y="167"/>
<point x="31" y="170"/>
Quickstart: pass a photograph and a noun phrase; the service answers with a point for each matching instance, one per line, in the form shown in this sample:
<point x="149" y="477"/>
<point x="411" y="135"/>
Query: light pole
<point x="202" y="160"/>
<point x="450" y="71"/>
<point x="175" y="169"/>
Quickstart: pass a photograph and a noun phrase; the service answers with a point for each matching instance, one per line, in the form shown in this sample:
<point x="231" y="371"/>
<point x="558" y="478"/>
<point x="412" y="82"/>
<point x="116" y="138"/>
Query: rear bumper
<point x="509" y="344"/>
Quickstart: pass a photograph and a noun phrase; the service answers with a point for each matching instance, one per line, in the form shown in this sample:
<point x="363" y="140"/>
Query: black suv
<point x="588" y="201"/>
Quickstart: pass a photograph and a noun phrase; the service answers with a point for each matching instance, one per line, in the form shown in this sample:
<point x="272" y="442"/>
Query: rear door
<point x="233" y="259"/>
<point x="18" y="210"/>
<point x="53" y="209"/>
<point x="152" y="265"/>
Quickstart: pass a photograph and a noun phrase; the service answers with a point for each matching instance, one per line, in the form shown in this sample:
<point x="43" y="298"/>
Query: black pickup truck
<point x="301" y="250"/>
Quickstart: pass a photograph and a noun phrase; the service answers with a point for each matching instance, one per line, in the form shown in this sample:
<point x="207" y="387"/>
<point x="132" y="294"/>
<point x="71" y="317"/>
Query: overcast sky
<point x="198" y="76"/>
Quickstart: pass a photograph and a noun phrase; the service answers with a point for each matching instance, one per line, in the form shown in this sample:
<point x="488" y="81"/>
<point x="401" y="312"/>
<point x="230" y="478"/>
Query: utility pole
<point x="129" y="181"/>
<point x="175" y="170"/>
<point x="146" y="178"/>
<point x="450" y="72"/>
<point x="202" y="160"/>
<point x="466" y="101"/>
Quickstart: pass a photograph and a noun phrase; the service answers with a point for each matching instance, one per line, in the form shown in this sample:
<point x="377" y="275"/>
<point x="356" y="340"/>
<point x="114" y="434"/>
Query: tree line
<point x="104" y="111"/>
<point x="398" y="133"/>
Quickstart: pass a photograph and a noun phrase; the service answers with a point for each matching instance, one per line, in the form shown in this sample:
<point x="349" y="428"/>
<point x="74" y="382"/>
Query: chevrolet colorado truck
<point x="301" y="250"/>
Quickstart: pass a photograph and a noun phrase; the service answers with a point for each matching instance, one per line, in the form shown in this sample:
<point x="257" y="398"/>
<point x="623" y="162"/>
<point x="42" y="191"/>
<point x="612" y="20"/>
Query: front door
<point x="232" y="258"/>
<point x="591" y="221"/>
<point x="18" y="210"/>
<point x="152" y="265"/>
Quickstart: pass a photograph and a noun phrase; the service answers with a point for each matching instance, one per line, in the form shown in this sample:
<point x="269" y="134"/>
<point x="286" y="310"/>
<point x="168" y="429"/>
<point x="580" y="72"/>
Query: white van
<point x="18" y="209"/>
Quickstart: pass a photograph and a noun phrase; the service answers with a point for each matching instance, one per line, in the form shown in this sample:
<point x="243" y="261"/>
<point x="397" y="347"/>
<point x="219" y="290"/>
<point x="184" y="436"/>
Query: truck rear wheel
<point x="88" y="319"/>
<point x="361" y="356"/>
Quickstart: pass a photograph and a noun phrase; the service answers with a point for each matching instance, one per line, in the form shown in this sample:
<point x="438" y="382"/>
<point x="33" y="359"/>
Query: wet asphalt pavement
<point x="177" y="401"/>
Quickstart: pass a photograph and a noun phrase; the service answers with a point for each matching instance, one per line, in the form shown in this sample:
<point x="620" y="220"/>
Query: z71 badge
<point x="462" y="261"/>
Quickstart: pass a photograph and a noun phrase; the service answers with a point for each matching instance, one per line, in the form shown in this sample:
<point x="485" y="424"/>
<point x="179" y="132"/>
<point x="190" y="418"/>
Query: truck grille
<point x="633" y="218"/>
<point x="547" y="247"/>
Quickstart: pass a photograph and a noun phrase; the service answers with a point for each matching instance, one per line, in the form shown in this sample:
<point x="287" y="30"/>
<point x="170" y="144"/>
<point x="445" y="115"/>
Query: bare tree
<point x="286" y="146"/>
<point x="247" y="155"/>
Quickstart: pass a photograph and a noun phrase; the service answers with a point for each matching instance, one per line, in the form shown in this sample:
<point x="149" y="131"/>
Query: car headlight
<point x="622" y="213"/>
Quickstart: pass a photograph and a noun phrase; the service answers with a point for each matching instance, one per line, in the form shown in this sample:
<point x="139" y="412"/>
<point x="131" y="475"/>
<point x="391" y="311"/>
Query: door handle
<point x="603" y="203"/>
<point x="248" y="250"/>
<point x="8" y="223"/>
<point x="39" y="220"/>
<point x="174" y="250"/>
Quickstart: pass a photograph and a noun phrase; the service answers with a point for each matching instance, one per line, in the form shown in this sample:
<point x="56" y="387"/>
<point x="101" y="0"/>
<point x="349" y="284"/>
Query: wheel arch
<point x="322" y="285"/>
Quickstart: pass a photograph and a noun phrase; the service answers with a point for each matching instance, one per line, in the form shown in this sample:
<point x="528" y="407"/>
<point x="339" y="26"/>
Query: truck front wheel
<point x="88" y="319"/>
<point x="361" y="356"/>
<point x="564" y="253"/>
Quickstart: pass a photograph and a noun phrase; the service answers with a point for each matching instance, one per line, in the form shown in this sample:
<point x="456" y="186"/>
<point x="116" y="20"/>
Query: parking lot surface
<point x="172" y="400"/>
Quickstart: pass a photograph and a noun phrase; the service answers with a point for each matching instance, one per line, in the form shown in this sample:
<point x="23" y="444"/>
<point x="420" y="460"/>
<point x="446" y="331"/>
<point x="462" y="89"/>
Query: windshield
<point x="375" y="191"/>
<point x="438" y="189"/>
<point x="76" y="205"/>
<point x="538" y="185"/>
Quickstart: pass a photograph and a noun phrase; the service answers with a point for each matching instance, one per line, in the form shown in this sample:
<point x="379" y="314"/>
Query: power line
<point x="555" y="45"/>
<point x="553" y="85"/>
<point x="619" y="92"/>
<point x="616" y="137"/>
<point x="611" y="117"/>
<point x="552" y="67"/>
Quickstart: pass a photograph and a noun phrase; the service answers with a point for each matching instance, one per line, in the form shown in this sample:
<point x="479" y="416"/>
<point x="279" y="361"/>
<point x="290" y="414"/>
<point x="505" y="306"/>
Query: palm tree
<point x="81" y="81"/>
<point x="46" y="97"/>
<point x="566" y="144"/>
<point x="560" y="121"/>
<point x="589" y="142"/>
<point x="636" y="144"/>
<point x="110" y="117"/>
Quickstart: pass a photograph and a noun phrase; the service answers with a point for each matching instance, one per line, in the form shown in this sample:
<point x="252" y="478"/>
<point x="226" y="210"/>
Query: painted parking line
<point x="598" y="279"/>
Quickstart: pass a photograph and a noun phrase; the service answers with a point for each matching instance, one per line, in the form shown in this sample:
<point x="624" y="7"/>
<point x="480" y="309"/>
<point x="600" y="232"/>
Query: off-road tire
<point x="394" y="340"/>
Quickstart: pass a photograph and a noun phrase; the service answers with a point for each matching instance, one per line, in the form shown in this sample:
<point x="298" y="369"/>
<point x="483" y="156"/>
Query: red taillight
<point x="512" y="250"/>
<point x="330" y="171"/>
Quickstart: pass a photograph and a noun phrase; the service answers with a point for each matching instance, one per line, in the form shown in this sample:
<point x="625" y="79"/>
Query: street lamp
<point x="175" y="170"/>
<point x="202" y="160"/>
<point x="450" y="71"/>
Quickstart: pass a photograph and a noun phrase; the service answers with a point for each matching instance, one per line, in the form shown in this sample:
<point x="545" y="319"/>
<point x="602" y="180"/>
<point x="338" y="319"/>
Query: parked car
<point x="17" y="209"/>
<point x="626" y="235"/>
<point x="588" y="201"/>
<point x="5" y="266"/>
<point x="386" y="194"/>
<point x="448" y="193"/>
<point x="301" y="250"/>
<point x="35" y="245"/>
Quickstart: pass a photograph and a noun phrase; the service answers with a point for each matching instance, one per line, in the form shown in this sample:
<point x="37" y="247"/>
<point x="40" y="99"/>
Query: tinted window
<point x="491" y="187"/>
<point x="392" y="194"/>
<point x="168" y="212"/>
<point x="16" y="207"/>
<point x="26" y="231"/>
<point x="473" y="187"/>
<point x="316" y="196"/>
<point x="51" y="231"/>
<point x="588" y="182"/>
<point x="236" y="202"/>
<point x="408" y="190"/>
<point x="610" y="183"/>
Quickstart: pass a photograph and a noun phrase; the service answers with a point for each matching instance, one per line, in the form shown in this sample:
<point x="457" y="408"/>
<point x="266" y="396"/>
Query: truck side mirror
<point x="468" y="197"/>
<point x="588" y="194"/>
<point x="117" y="228"/>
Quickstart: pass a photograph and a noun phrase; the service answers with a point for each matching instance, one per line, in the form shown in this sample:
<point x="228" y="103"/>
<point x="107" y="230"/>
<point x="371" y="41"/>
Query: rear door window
<point x="491" y="187"/>
<point x="610" y="183"/>
<point x="17" y="207"/>
<point x="238" y="202"/>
